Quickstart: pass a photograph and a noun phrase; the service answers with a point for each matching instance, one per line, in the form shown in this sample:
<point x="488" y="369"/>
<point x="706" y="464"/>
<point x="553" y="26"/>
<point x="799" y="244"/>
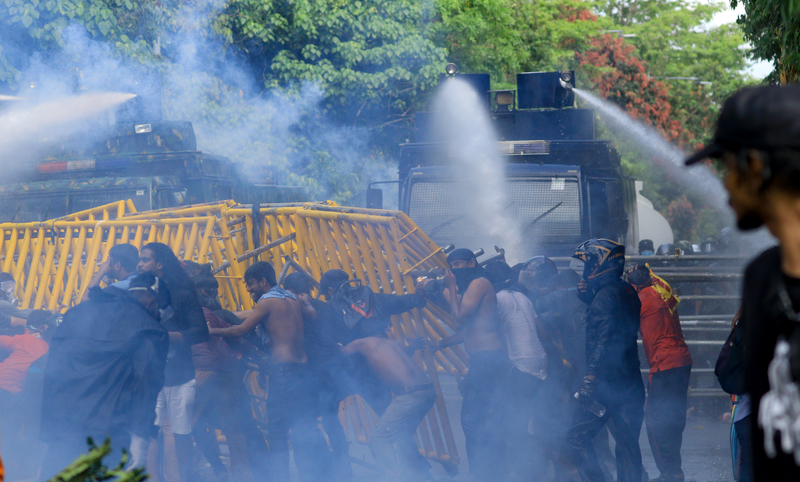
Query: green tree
<point x="773" y="28"/>
<point x="370" y="57"/>
<point x="36" y="27"/>
<point x="674" y="43"/>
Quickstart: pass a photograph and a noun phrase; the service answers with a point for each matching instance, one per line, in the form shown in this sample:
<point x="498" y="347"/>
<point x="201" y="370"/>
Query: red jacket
<point x="662" y="337"/>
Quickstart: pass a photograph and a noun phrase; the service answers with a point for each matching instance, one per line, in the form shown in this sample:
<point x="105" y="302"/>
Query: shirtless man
<point x="292" y="400"/>
<point x="414" y="397"/>
<point x="473" y="306"/>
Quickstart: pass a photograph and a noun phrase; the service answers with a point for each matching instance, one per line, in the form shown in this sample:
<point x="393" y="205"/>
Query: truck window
<point x="547" y="209"/>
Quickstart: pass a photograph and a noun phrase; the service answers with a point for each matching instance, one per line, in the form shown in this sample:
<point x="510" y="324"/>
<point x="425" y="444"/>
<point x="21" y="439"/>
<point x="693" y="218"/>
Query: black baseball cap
<point x="765" y="117"/>
<point x="460" y="254"/>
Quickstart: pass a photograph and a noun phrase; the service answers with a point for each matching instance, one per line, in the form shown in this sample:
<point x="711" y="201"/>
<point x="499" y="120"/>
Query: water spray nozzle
<point x="451" y="69"/>
<point x="565" y="79"/>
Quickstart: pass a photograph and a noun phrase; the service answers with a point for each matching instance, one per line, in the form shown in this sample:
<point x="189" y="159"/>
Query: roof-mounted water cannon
<point x="451" y="69"/>
<point x="546" y="90"/>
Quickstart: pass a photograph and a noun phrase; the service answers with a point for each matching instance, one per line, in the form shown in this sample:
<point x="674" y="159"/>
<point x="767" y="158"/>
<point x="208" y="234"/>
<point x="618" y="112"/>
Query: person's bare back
<point x="282" y="318"/>
<point x="284" y="324"/>
<point x="389" y="361"/>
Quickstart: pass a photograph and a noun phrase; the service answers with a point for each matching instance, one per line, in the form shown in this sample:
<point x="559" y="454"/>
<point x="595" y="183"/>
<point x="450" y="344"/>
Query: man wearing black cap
<point x="473" y="306"/>
<point x="758" y="141"/>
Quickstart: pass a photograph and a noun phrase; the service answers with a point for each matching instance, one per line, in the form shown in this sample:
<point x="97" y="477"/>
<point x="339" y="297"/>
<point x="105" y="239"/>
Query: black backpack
<point x="356" y="303"/>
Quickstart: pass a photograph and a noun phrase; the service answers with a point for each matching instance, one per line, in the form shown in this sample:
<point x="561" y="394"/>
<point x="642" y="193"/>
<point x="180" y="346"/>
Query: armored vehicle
<point x="563" y="185"/>
<point x="156" y="165"/>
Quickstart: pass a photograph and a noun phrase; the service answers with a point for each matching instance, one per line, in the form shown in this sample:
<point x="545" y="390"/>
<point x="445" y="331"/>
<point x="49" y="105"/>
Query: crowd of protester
<point x="155" y="364"/>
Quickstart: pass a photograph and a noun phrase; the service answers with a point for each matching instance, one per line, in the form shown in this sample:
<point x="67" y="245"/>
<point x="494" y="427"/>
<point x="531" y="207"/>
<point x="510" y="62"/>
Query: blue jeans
<point x="291" y="405"/>
<point x="397" y="425"/>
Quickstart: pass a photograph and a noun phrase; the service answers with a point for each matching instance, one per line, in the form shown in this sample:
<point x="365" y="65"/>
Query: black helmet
<point x="666" y="249"/>
<point x="601" y="258"/>
<point x="539" y="269"/>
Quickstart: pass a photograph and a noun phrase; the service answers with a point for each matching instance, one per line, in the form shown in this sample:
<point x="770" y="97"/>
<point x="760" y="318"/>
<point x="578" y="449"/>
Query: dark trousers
<point x="743" y="436"/>
<point x="625" y="408"/>
<point x="482" y="414"/>
<point x="666" y="417"/>
<point x="291" y="405"/>
<point x="524" y="451"/>
<point x="330" y="396"/>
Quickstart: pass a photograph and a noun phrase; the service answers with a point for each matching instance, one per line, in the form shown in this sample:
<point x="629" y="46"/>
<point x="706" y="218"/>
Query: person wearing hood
<point x="612" y="387"/>
<point x="473" y="307"/>
<point x="105" y="369"/>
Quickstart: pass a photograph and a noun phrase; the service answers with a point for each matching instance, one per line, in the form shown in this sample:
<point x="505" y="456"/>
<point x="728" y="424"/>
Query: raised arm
<point x="470" y="301"/>
<point x="249" y="324"/>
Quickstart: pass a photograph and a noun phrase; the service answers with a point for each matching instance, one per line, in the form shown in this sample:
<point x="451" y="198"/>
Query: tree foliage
<point x="370" y="57"/>
<point x="773" y="28"/>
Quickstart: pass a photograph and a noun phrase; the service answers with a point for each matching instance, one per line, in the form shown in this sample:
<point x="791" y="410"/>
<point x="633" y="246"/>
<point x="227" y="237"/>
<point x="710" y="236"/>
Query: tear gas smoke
<point x="462" y="123"/>
<point x="273" y="136"/>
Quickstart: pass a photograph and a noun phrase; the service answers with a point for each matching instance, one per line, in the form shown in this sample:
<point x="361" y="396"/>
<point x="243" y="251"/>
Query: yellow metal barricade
<point x="54" y="261"/>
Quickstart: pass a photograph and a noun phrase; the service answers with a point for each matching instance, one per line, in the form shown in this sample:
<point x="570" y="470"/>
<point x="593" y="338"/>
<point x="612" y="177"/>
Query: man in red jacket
<point x="670" y="367"/>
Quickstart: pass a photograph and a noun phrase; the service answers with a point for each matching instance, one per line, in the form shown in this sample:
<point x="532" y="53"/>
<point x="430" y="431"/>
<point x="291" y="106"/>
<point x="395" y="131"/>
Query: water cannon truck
<point x="156" y="164"/>
<point x="564" y="185"/>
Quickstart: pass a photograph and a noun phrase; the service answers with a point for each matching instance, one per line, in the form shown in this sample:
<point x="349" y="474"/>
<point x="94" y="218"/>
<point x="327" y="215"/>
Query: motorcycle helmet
<point x="539" y="269"/>
<point x="601" y="257"/>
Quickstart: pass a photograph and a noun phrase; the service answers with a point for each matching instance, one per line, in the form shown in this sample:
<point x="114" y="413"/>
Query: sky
<point x="758" y="70"/>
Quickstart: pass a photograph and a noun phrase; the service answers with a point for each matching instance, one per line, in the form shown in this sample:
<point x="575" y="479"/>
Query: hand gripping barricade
<point x="54" y="261"/>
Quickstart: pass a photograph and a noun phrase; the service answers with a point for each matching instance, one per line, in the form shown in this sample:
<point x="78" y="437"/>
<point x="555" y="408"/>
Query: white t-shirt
<point x="518" y="329"/>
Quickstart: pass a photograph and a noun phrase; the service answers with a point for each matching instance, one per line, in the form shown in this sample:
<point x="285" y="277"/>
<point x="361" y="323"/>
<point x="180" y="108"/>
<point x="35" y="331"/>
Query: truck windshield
<point x="547" y="210"/>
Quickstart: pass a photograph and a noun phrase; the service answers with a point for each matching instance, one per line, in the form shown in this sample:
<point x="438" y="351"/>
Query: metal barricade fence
<point x="54" y="261"/>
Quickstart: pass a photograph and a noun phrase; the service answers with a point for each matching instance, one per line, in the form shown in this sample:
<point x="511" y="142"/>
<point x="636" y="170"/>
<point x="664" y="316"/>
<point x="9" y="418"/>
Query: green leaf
<point x="27" y="20"/>
<point x="104" y="27"/>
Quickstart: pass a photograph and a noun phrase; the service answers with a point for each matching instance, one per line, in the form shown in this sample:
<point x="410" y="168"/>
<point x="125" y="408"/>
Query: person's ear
<point x="757" y="171"/>
<point x="159" y="266"/>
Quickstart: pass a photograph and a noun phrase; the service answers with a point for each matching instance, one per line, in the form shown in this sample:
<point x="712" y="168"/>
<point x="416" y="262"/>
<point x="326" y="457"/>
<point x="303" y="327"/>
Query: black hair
<point x="174" y="274"/>
<point x="6" y="277"/>
<point x="782" y="168"/>
<point x="298" y="283"/>
<point x="259" y="271"/>
<point x="333" y="278"/>
<point x="148" y="280"/>
<point x="125" y="254"/>
<point x="204" y="281"/>
<point x="639" y="276"/>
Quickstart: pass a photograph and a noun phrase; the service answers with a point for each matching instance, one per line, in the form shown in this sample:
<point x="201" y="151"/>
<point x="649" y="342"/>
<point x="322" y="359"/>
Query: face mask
<point x="465" y="276"/>
<point x="647" y="253"/>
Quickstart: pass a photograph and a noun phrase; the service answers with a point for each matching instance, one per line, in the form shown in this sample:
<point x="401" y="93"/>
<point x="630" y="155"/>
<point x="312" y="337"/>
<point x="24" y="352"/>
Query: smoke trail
<point x="463" y="125"/>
